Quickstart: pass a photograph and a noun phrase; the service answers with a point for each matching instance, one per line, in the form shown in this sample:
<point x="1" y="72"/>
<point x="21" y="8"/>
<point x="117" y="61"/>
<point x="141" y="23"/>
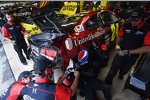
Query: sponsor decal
<point x="69" y="8"/>
<point x="34" y="28"/>
<point x="88" y="38"/>
<point x="79" y="28"/>
<point x="23" y="14"/>
<point x="68" y="44"/>
<point x="83" y="57"/>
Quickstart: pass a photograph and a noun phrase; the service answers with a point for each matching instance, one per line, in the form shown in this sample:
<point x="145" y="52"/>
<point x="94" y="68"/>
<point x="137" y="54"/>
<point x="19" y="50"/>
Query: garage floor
<point x="116" y="90"/>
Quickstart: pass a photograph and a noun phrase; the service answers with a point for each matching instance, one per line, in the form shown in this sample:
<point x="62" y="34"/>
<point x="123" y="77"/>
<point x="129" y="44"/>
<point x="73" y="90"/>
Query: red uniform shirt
<point x="14" y="91"/>
<point x="5" y="32"/>
<point x="43" y="87"/>
<point x="146" y="38"/>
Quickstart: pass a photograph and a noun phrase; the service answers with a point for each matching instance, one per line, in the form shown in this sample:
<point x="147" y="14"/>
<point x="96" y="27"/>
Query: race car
<point x="139" y="80"/>
<point x="72" y="36"/>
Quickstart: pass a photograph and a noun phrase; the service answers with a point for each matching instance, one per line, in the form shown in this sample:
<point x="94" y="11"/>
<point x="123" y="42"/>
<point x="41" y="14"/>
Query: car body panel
<point x="68" y="9"/>
<point x="31" y="29"/>
<point x="139" y="81"/>
<point x="78" y="36"/>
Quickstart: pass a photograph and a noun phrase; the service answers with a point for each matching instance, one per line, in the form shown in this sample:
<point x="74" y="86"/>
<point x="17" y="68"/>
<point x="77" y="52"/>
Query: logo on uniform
<point x="139" y="33"/>
<point x="128" y="31"/>
<point x="11" y="28"/>
<point x="83" y="57"/>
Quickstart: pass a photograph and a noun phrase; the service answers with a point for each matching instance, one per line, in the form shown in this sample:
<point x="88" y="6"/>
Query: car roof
<point x="91" y="13"/>
<point x="86" y="14"/>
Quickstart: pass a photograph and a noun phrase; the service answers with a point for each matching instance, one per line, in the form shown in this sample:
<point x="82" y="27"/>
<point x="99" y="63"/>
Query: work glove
<point x="117" y="48"/>
<point x="123" y="52"/>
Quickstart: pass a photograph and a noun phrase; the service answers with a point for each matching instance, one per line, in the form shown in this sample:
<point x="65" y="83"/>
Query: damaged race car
<point x="77" y="37"/>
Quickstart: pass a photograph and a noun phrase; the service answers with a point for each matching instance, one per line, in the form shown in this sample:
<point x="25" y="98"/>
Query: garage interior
<point x="15" y="67"/>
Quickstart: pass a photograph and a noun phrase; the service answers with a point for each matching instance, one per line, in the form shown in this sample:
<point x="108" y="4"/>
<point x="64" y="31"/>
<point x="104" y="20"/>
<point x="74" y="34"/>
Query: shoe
<point x="120" y="77"/>
<point x="81" y="93"/>
<point x="25" y="63"/>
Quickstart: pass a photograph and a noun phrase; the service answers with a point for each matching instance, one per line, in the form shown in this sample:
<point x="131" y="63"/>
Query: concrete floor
<point x="118" y="85"/>
<point x="116" y="90"/>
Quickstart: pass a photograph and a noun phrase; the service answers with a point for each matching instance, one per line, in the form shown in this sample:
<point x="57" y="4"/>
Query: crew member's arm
<point x="62" y="78"/>
<point x="75" y="83"/>
<point x="64" y="93"/>
<point x="145" y="48"/>
<point x="24" y="31"/>
<point x="6" y="34"/>
<point x="6" y="93"/>
<point x="120" y="35"/>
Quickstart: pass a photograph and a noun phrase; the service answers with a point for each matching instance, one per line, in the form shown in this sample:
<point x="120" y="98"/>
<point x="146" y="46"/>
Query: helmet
<point x="136" y="15"/>
<point x="41" y="67"/>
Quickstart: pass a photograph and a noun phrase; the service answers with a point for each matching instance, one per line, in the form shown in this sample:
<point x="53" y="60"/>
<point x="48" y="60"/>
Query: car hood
<point x="39" y="39"/>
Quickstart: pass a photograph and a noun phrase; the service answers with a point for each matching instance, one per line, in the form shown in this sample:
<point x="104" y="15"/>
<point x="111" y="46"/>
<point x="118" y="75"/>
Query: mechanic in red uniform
<point x="12" y="31"/>
<point x="15" y="91"/>
<point x="134" y="39"/>
<point x="44" y="89"/>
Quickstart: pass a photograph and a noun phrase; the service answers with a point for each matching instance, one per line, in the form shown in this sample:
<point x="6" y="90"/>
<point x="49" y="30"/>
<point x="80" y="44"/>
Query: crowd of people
<point x="133" y="40"/>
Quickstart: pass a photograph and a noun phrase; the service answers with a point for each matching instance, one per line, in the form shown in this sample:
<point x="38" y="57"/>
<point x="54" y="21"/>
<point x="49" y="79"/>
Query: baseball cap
<point x="136" y="15"/>
<point x="24" y="74"/>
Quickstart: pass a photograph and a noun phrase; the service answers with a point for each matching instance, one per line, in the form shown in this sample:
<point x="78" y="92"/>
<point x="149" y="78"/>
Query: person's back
<point x="13" y="92"/>
<point x="44" y="89"/>
<point x="16" y="90"/>
<point x="41" y="89"/>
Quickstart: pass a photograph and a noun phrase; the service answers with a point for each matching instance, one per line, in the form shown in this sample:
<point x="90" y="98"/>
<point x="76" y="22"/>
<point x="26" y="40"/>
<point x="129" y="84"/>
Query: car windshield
<point x="27" y="20"/>
<point x="70" y="22"/>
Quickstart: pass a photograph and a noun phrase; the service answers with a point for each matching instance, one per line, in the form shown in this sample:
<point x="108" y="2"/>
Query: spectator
<point x="13" y="32"/>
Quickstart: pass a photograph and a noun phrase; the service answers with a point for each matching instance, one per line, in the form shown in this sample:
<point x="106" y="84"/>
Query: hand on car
<point x="77" y="74"/>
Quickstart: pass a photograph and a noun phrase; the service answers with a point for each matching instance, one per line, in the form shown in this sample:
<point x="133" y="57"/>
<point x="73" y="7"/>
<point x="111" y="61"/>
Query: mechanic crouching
<point x="44" y="89"/>
<point x="12" y="31"/>
<point x="16" y="90"/>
